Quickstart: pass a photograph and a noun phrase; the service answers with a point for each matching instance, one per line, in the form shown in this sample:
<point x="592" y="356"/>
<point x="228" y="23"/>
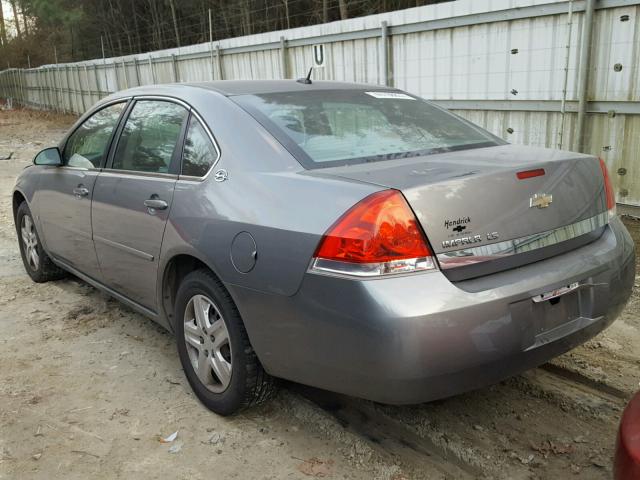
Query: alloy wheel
<point x="208" y="344"/>
<point x="30" y="242"/>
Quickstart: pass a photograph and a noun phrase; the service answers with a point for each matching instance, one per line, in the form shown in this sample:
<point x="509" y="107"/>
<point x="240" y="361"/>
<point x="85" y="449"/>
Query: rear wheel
<point x="36" y="261"/>
<point x="214" y="349"/>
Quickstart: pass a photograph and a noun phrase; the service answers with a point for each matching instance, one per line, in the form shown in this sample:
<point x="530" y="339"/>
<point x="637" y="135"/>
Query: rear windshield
<point x="325" y="128"/>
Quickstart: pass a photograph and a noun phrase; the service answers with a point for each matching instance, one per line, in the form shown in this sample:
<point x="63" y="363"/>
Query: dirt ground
<point x="88" y="388"/>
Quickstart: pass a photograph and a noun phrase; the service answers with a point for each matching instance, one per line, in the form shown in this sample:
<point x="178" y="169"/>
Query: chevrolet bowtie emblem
<point x="540" y="200"/>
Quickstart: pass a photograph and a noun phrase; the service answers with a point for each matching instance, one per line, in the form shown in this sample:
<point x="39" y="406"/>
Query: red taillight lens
<point x="608" y="188"/>
<point x="378" y="235"/>
<point x="538" y="172"/>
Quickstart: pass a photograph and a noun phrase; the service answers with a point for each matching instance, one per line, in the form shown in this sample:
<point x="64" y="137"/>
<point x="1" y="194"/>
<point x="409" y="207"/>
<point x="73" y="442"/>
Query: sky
<point x="8" y="18"/>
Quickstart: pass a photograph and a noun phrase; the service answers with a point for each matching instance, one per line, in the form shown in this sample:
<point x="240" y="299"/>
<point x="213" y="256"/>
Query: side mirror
<point x="48" y="156"/>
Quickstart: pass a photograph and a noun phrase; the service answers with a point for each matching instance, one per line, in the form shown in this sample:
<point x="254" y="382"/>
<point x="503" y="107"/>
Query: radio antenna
<point x="306" y="80"/>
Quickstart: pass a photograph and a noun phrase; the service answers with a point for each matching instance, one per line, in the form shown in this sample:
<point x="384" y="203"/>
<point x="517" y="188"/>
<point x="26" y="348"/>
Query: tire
<point x="217" y="358"/>
<point x="36" y="262"/>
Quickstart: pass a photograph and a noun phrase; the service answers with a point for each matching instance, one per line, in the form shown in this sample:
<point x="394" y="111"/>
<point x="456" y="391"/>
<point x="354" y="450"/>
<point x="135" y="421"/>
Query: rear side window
<point x="199" y="154"/>
<point x="87" y="146"/>
<point x="149" y="137"/>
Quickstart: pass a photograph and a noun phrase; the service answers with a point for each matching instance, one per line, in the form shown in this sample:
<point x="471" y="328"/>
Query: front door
<point x="65" y="193"/>
<point x="132" y="198"/>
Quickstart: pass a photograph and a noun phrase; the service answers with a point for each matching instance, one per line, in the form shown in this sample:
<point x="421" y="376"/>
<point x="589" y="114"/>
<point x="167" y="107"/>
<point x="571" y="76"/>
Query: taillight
<point x="538" y="172"/>
<point x="379" y="235"/>
<point x="608" y="189"/>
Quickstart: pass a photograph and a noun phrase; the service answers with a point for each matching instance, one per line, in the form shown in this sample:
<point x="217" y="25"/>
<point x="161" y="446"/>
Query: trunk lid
<point x="474" y="198"/>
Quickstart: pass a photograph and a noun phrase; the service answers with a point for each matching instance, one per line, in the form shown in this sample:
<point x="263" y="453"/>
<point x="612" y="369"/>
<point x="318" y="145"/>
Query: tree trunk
<point x="286" y="12"/>
<point x="24" y="19"/>
<point x="175" y="21"/>
<point x="3" y="31"/>
<point x="247" y="17"/>
<point x="325" y="11"/>
<point x="135" y="26"/>
<point x="15" y="18"/>
<point x="343" y="9"/>
<point x="155" y="24"/>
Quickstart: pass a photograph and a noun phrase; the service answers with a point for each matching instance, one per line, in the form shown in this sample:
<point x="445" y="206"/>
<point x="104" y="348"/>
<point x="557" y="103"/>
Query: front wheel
<point x="214" y="349"/>
<point x="36" y="261"/>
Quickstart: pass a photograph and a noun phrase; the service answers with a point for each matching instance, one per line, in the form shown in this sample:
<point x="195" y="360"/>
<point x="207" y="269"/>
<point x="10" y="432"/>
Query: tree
<point x="78" y="27"/>
<point x="15" y="17"/>
<point x="3" y="31"/>
<point x="343" y="9"/>
<point x="175" y="22"/>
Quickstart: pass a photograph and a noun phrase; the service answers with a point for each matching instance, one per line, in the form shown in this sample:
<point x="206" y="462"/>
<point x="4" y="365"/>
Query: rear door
<point x="65" y="193"/>
<point x="132" y="197"/>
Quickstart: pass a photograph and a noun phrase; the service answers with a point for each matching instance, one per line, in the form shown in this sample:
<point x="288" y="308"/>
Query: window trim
<point x="126" y="101"/>
<point x="176" y="157"/>
<point x="211" y="139"/>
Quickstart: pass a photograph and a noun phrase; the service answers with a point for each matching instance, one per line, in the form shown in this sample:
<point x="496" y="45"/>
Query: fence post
<point x="153" y="72"/>
<point x="89" y="89"/>
<point x="95" y="75"/>
<point x="585" y="64"/>
<point x="211" y="43"/>
<point x="22" y="93"/>
<point x="219" y="62"/>
<point x="35" y="98"/>
<point x="174" y="63"/>
<point x="137" y="69"/>
<point x="48" y="87"/>
<point x="51" y="100"/>
<point x="384" y="53"/>
<point x="126" y="74"/>
<point x="50" y="104"/>
<point x="114" y="64"/>
<point x="84" y="106"/>
<point x="283" y="57"/>
<point x="15" y="86"/>
<point x="104" y="66"/>
<point x="58" y="83"/>
<point x="66" y="77"/>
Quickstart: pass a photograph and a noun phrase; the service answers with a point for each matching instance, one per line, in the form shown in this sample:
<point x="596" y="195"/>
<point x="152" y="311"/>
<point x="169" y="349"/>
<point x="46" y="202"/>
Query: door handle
<point x="80" y="191"/>
<point x="156" y="204"/>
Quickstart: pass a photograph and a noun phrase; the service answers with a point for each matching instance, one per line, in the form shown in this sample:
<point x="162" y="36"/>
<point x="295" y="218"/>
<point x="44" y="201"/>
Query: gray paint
<point x="482" y="184"/>
<point x="399" y="339"/>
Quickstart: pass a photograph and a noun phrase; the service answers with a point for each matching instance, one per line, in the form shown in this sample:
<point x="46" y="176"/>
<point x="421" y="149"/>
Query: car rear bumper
<point x="414" y="338"/>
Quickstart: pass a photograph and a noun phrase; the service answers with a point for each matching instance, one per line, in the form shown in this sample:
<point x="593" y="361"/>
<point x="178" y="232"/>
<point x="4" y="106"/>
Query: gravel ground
<point x="88" y="388"/>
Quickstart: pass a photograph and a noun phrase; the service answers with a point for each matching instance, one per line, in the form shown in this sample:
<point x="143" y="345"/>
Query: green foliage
<point x="54" y="13"/>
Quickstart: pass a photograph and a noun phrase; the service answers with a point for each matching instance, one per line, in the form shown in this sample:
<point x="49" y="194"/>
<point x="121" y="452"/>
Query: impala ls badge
<point x="540" y="200"/>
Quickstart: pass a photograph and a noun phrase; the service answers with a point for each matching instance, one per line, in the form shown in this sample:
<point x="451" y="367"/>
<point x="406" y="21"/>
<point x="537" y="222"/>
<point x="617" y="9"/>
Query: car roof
<point x="251" y="87"/>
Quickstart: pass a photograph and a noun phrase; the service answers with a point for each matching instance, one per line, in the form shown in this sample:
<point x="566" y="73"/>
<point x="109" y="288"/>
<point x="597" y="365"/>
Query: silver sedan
<point x="351" y="237"/>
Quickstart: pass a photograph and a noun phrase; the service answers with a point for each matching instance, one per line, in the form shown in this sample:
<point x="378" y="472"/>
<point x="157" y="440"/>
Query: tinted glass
<point x="149" y="137"/>
<point x="87" y="146"/>
<point x="332" y="127"/>
<point x="199" y="153"/>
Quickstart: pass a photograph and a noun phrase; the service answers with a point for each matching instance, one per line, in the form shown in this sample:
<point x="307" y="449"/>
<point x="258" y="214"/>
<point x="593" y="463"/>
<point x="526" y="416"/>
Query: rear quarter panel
<point x="267" y="194"/>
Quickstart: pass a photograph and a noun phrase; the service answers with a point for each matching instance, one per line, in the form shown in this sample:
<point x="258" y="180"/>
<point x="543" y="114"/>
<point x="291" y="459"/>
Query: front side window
<point x="341" y="127"/>
<point x="149" y="137"/>
<point x="199" y="153"/>
<point x="87" y="146"/>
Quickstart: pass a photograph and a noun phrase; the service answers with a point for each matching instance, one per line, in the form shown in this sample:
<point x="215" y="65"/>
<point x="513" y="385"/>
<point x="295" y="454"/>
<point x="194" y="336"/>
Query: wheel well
<point x="18" y="198"/>
<point x="177" y="268"/>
